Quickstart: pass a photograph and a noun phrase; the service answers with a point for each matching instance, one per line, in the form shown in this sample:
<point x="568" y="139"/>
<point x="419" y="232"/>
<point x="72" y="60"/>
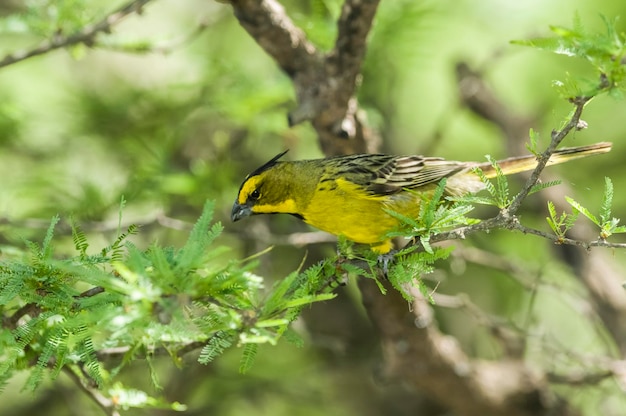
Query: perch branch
<point x="596" y="269"/>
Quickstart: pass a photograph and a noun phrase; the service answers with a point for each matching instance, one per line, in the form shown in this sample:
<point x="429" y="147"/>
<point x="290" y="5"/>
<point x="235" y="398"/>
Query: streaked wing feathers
<point x="386" y="175"/>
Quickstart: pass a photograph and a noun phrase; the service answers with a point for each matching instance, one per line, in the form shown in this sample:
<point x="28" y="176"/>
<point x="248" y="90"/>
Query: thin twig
<point x="118" y="352"/>
<point x="542" y="160"/>
<point x="30" y="309"/>
<point x="162" y="48"/>
<point x="105" y="403"/>
<point x="501" y="221"/>
<point x="587" y="245"/>
<point x="579" y="378"/>
<point x="85" y="36"/>
<point x="148" y="219"/>
<point x="511" y="338"/>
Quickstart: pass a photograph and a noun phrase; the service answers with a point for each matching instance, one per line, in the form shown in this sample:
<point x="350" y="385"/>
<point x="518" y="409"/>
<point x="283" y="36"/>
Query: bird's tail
<point x="525" y="163"/>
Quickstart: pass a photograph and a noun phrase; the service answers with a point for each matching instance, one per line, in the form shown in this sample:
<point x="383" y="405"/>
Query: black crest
<point x="268" y="165"/>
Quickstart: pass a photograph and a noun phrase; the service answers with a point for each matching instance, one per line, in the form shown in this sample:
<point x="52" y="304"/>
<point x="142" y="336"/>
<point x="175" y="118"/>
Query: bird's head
<point x="265" y="191"/>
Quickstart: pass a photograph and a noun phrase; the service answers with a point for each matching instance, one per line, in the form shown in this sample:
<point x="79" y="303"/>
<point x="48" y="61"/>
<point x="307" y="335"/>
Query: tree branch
<point x="542" y="160"/>
<point x="579" y="378"/>
<point x="418" y="354"/>
<point x="325" y="84"/>
<point x="85" y="36"/>
<point x="596" y="270"/>
<point x="105" y="403"/>
<point x="267" y="22"/>
<point x="507" y="222"/>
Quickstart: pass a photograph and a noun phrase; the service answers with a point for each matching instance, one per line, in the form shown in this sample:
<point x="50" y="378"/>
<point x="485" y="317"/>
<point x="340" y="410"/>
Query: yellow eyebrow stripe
<point x="248" y="187"/>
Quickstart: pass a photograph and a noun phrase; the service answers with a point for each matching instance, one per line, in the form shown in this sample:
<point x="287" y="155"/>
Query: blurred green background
<point x="169" y="119"/>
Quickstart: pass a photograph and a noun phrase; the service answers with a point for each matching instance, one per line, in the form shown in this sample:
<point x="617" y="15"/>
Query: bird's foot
<point x="385" y="260"/>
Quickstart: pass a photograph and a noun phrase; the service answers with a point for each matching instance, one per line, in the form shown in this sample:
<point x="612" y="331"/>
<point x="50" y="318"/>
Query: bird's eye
<point x="254" y="195"/>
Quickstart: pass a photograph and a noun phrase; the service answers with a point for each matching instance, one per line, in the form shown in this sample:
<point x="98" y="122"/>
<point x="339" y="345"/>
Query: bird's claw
<point x="385" y="260"/>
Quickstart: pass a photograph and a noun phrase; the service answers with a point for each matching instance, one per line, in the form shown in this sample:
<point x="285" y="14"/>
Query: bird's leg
<point x="385" y="260"/>
<point x="340" y="276"/>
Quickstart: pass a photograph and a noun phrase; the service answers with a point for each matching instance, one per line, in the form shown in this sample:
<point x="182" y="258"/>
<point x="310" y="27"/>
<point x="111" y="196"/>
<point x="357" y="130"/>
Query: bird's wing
<point x="387" y="175"/>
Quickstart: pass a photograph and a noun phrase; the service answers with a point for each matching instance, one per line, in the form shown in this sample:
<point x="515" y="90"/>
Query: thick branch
<point x="86" y="36"/>
<point x="417" y="353"/>
<point x="325" y="85"/>
<point x="267" y="22"/>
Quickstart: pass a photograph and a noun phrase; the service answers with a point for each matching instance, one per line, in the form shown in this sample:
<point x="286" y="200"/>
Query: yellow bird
<point x="351" y="195"/>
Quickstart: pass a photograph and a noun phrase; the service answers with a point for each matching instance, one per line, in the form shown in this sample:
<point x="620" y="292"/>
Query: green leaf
<point x="552" y="221"/>
<point x="46" y="246"/>
<point x="119" y="214"/>
<point x="607" y="200"/>
<point x="534" y="138"/>
<point x="583" y="210"/>
<point x="79" y="238"/>
<point x="425" y="241"/>
<point x="248" y="357"/>
<point x="543" y="185"/>
<point x="411" y="268"/>
<point x="620" y="229"/>
<point x="306" y="300"/>
<point x="489" y="187"/>
<point x="201" y="236"/>
<point x="216" y="345"/>
<point x="604" y="51"/>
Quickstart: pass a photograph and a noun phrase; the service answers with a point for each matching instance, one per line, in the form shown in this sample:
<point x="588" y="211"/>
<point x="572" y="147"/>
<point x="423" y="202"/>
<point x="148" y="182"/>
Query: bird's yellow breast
<point x="344" y="208"/>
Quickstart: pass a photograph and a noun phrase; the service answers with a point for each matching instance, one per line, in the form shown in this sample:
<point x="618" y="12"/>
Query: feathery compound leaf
<point x="502" y="193"/>
<point x="410" y="270"/>
<point x="583" y="210"/>
<point x="543" y="185"/>
<point x="46" y="246"/>
<point x="607" y="201"/>
<point x="119" y="215"/>
<point x="489" y="187"/>
<point x="534" y="138"/>
<point x="605" y="51"/>
<point x="276" y="300"/>
<point x="570" y="219"/>
<point x="429" y="216"/>
<point x="552" y="221"/>
<point x="436" y="215"/>
<point x="216" y="345"/>
<point x="560" y="225"/>
<point x="248" y="357"/>
<point x="79" y="238"/>
<point x="293" y="338"/>
<point x="201" y="236"/>
<point x="116" y="250"/>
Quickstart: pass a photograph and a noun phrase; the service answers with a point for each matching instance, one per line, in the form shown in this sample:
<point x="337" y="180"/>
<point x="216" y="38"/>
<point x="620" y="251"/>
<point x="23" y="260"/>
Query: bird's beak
<point x="240" y="211"/>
